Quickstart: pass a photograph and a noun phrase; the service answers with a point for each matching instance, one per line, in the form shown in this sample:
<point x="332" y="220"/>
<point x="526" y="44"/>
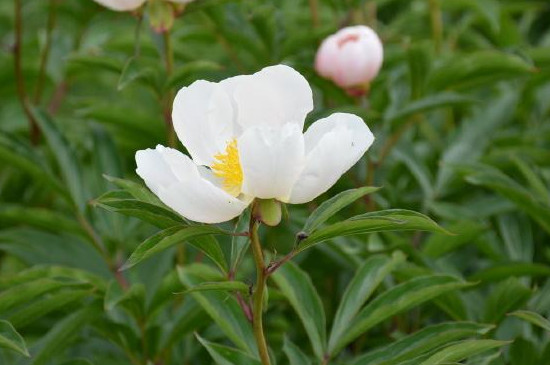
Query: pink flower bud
<point x="121" y="5"/>
<point x="351" y="57"/>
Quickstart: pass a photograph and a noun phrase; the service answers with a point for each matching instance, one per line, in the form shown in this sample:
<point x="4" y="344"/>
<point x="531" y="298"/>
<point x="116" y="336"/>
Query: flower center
<point x="228" y="167"/>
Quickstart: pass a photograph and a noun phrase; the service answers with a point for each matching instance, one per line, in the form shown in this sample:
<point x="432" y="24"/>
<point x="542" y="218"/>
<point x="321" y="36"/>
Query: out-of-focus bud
<point x="351" y="58"/>
<point x="161" y="15"/>
<point x="121" y="5"/>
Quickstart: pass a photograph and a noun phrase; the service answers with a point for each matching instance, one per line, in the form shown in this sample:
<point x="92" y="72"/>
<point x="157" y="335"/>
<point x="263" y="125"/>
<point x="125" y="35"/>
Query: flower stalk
<point x="259" y="292"/>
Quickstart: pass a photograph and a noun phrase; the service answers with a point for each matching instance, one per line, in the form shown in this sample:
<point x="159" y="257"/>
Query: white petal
<point x="175" y="179"/>
<point x="271" y="160"/>
<point x="203" y="119"/>
<point x="333" y="145"/>
<point x="273" y="97"/>
<point x="121" y="5"/>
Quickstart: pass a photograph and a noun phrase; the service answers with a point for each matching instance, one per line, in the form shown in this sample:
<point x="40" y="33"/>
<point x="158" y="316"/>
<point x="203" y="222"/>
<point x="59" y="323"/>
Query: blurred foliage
<point x="461" y="115"/>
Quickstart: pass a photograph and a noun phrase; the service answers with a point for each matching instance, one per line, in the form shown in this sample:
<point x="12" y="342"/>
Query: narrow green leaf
<point x="294" y="354"/>
<point x="296" y="286"/>
<point x="65" y="157"/>
<point x="42" y="218"/>
<point x="239" y="244"/>
<point x="361" y="287"/>
<point x="133" y="70"/>
<point x="138" y="191"/>
<point x="229" y="286"/>
<point x="11" y="339"/>
<point x="504" y="271"/>
<point x="380" y="221"/>
<point x="492" y="178"/>
<point x="116" y="201"/>
<point x="428" y="103"/>
<point x="421" y="342"/>
<point x="61" y="335"/>
<point x="132" y="299"/>
<point x="438" y="244"/>
<point x="332" y="206"/>
<point x="47" y="304"/>
<point x="398" y="299"/>
<point x="23" y="293"/>
<point x="187" y="73"/>
<point x="221" y="307"/>
<point x="474" y="69"/>
<point x="462" y="350"/>
<point x="165" y="239"/>
<point x="224" y="355"/>
<point x="506" y="296"/>
<point x="210" y="246"/>
<point x="533" y="318"/>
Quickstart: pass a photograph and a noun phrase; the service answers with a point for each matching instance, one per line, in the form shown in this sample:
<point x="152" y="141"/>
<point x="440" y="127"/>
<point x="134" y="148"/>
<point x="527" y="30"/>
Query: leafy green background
<point x="461" y="115"/>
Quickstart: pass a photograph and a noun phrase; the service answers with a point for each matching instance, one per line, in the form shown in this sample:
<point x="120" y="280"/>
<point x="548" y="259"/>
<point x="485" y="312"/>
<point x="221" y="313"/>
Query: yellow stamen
<point x="228" y="167"/>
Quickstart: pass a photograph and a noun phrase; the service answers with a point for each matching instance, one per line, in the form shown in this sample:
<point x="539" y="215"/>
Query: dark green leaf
<point x="11" y="339"/>
<point x="224" y="355"/>
<point x="534" y="318"/>
<point x="462" y="350"/>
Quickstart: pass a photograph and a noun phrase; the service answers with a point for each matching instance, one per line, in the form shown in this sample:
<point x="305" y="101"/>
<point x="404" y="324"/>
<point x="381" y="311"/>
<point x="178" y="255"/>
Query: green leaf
<point x="361" y="287"/>
<point x="428" y="103"/>
<point x="230" y="286"/>
<point x="507" y="296"/>
<point x="187" y="73"/>
<point x="224" y="355"/>
<point x="11" y="339"/>
<point x="133" y="70"/>
<point x="166" y="239"/>
<point x="504" y="271"/>
<point x="294" y="354"/>
<point x="116" y="201"/>
<point x="46" y="219"/>
<point x="61" y="335"/>
<point x="421" y="342"/>
<point x="332" y="206"/>
<point x="297" y="287"/>
<point x="221" y="307"/>
<point x="210" y="246"/>
<point x="398" y="299"/>
<point x="492" y="178"/>
<point x="438" y="245"/>
<point x="138" y="191"/>
<point x="533" y="318"/>
<point x="132" y="299"/>
<point x="48" y="304"/>
<point x="478" y="68"/>
<point x="380" y="221"/>
<point x="65" y="157"/>
<point x="462" y="350"/>
<point x="19" y="155"/>
<point x="22" y="294"/>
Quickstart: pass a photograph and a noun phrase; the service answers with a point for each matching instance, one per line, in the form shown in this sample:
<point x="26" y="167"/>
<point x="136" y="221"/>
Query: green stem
<point x="437" y="23"/>
<point x="167" y="112"/>
<point x="258" y="296"/>
<point x="314" y="9"/>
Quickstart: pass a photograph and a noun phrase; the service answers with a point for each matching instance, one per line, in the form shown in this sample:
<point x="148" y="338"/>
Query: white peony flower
<point x="244" y="135"/>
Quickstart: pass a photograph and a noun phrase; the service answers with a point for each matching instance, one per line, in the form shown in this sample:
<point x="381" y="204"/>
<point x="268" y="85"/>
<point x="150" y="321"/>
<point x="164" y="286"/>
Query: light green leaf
<point x="65" y="157"/>
<point x="438" y="244"/>
<point x="504" y="271"/>
<point x="332" y="206"/>
<point x="421" y="342"/>
<point x="61" y="334"/>
<point x="22" y="294"/>
<point x="11" y="339"/>
<point x="398" y="299"/>
<point x="533" y="318"/>
<point x="428" y="103"/>
<point x="297" y="287"/>
<point x="294" y="354"/>
<point x="221" y="307"/>
<point x="224" y="355"/>
<point x="361" y="287"/>
<point x="166" y="239"/>
<point x="478" y="68"/>
<point x="132" y="299"/>
<point x="229" y="286"/>
<point x="462" y="350"/>
<point x="117" y="201"/>
<point x="506" y="296"/>
<point x="380" y="221"/>
<point x="138" y="191"/>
